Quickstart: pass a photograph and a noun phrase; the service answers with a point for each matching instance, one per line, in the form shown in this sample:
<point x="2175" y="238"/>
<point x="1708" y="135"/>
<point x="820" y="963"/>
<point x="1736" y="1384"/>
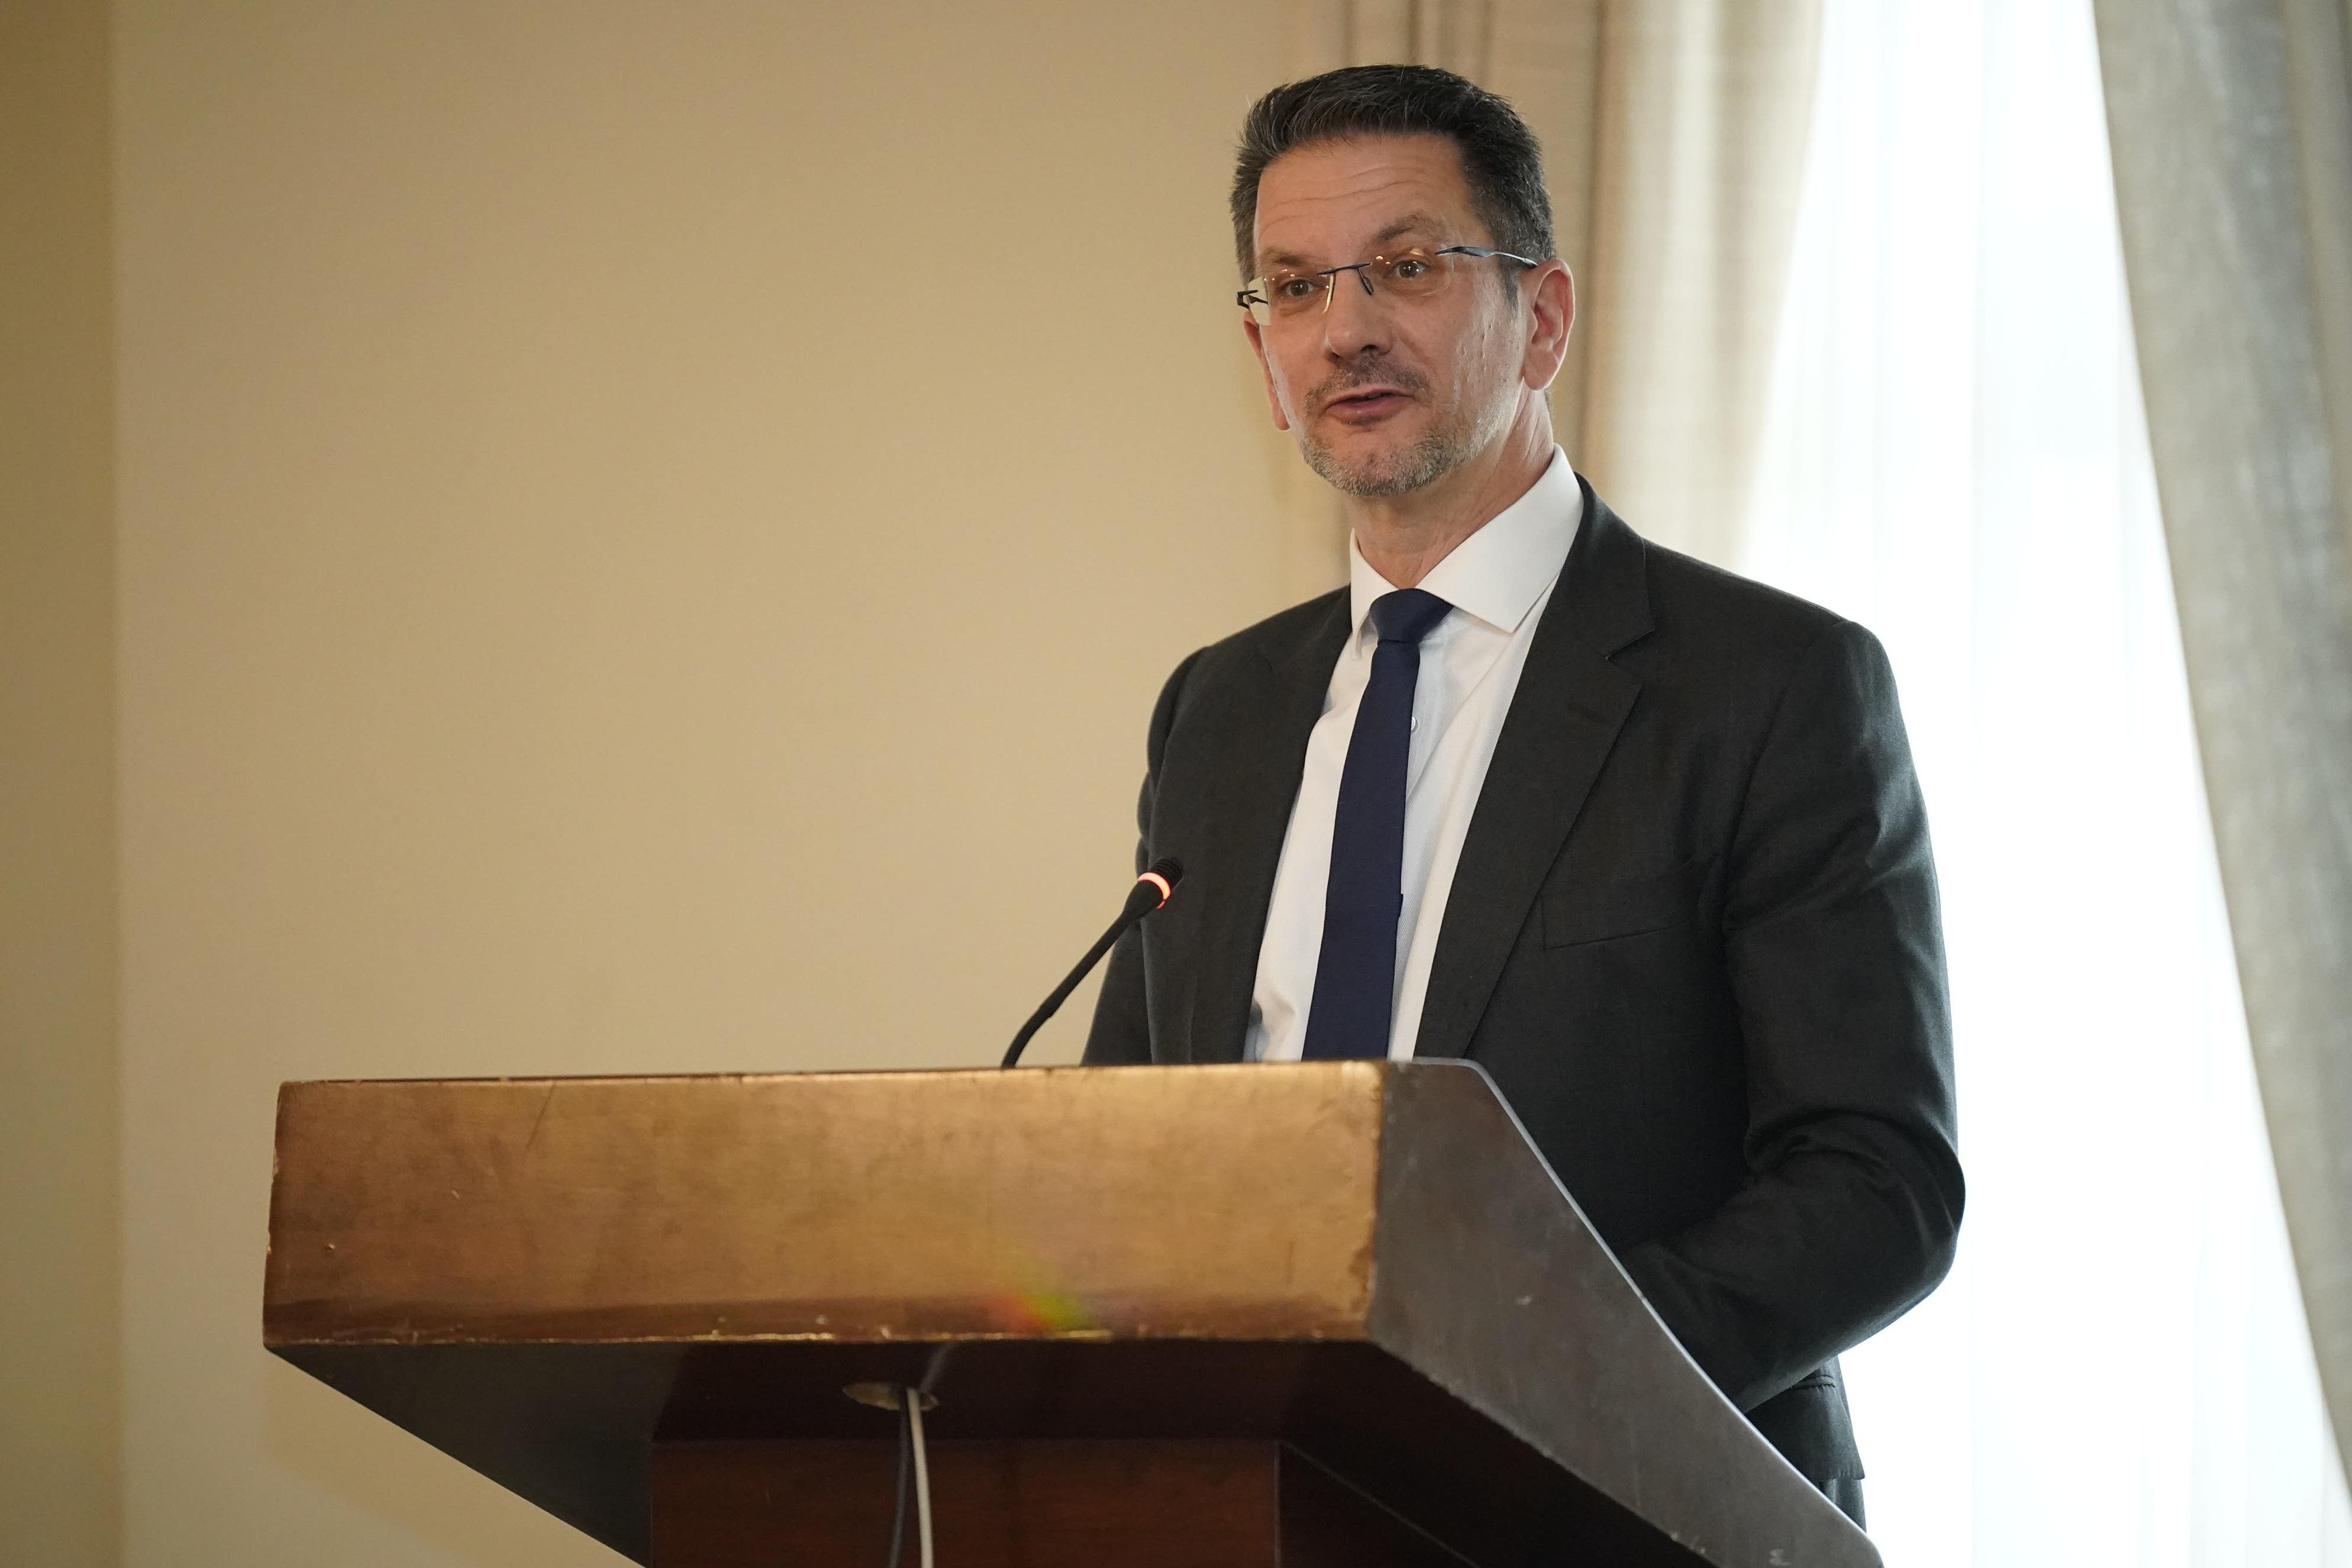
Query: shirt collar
<point x="1498" y="572"/>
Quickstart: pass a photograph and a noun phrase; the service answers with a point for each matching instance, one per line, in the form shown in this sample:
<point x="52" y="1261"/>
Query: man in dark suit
<point x="1640" y="837"/>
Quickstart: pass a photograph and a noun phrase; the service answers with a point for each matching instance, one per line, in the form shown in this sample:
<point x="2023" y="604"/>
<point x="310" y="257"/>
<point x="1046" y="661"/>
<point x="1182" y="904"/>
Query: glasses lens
<point x="1292" y="293"/>
<point x="1411" y="273"/>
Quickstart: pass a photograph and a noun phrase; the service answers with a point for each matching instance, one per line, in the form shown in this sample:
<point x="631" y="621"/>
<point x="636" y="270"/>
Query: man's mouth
<point x="1366" y="404"/>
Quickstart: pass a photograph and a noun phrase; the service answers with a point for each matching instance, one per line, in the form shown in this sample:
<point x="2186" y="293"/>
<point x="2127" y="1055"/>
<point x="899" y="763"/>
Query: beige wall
<point x="648" y="539"/>
<point x="648" y="535"/>
<point x="58" y="1302"/>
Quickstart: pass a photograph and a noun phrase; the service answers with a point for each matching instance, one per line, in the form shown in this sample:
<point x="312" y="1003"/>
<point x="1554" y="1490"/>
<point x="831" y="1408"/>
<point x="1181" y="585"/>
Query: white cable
<point x="922" y="1477"/>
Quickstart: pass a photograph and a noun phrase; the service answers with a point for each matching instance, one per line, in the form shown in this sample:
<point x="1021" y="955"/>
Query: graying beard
<point x="1431" y="459"/>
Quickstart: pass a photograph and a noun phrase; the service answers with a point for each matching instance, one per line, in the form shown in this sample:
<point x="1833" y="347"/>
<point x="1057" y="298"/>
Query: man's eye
<point x="1294" y="287"/>
<point x="1411" y="269"/>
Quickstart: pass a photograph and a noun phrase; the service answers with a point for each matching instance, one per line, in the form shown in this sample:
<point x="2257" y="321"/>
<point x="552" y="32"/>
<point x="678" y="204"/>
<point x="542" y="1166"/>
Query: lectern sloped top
<point x="546" y="1277"/>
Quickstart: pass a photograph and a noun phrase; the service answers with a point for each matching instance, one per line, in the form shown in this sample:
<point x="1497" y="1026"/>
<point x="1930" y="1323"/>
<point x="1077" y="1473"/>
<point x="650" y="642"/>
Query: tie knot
<point x="1408" y="615"/>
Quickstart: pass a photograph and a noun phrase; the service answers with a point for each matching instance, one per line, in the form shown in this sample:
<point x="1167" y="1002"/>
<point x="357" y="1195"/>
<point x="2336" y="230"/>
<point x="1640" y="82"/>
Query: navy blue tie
<point x="1355" y="978"/>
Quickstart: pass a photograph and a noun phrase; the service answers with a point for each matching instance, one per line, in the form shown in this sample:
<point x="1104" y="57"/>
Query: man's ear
<point x="1273" y="400"/>
<point x="1551" y="300"/>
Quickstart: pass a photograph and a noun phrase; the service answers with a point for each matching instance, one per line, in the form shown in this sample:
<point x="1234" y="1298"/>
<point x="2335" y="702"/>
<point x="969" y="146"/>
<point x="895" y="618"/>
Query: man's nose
<point x="1357" y="318"/>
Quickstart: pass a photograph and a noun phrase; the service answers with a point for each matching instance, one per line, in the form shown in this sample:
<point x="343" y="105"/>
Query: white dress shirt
<point x="1498" y="581"/>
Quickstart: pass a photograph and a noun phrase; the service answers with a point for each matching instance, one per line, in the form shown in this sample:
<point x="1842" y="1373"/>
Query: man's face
<point x="1385" y="395"/>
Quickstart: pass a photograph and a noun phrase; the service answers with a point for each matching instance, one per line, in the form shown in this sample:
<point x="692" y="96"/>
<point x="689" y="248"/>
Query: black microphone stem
<point x="1151" y="890"/>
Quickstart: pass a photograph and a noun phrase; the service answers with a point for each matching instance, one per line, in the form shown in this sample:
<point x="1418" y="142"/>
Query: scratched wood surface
<point x="839" y="1207"/>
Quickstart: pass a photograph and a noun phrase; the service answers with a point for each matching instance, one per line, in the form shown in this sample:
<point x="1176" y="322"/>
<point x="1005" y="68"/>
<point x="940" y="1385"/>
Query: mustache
<point x="1373" y="372"/>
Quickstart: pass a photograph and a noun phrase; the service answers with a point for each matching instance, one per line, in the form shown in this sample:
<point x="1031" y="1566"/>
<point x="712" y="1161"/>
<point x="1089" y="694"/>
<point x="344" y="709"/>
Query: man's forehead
<point x="1328" y="196"/>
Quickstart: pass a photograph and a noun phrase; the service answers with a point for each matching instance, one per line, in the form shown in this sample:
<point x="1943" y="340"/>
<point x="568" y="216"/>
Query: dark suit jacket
<point x="1693" y="938"/>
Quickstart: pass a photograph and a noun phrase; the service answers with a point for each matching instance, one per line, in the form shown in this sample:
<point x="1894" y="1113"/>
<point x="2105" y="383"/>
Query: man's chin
<point x="1385" y="471"/>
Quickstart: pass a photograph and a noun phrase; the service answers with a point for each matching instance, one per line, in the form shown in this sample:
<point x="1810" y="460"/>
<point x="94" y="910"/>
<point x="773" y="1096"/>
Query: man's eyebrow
<point x="1411" y="222"/>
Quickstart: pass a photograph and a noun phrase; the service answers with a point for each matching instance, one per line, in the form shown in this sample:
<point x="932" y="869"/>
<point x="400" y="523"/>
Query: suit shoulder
<point x="1705" y="609"/>
<point x="1280" y="637"/>
<point x="1243" y="661"/>
<point x="1694" y="590"/>
<point x="1286" y="630"/>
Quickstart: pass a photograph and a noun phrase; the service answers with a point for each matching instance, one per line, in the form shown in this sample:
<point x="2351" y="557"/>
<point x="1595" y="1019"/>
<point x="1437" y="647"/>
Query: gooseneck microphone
<point x="1151" y="891"/>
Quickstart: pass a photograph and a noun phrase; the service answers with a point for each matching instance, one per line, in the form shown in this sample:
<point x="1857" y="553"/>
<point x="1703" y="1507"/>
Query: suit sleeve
<point x="1121" y="1032"/>
<point x="1834" y="954"/>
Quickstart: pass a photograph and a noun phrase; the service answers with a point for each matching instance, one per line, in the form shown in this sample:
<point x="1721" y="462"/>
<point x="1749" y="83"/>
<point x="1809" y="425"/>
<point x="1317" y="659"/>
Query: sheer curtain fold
<point x="1699" y="144"/>
<point x="1673" y="136"/>
<point x="2118" y="1371"/>
<point x="2231" y="129"/>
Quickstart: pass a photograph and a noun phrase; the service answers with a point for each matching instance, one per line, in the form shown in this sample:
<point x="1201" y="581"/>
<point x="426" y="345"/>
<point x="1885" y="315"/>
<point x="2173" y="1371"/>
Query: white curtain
<point x="2232" y="125"/>
<point x="2119" y="1372"/>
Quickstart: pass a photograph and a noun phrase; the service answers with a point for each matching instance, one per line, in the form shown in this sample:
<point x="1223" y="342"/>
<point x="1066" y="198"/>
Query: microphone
<point x="1151" y="890"/>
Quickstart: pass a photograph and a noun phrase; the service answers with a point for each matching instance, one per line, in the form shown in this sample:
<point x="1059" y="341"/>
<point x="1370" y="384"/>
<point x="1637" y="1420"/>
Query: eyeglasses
<point x="1414" y="274"/>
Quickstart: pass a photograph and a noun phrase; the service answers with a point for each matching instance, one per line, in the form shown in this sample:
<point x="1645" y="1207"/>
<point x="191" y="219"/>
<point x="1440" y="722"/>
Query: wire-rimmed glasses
<point x="1413" y="274"/>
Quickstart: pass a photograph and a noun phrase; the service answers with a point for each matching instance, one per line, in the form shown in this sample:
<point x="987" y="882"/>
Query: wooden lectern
<point x="1331" y="1313"/>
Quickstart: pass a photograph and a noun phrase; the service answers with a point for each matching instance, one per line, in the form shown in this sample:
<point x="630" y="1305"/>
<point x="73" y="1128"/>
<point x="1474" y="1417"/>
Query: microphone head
<point x="1164" y="875"/>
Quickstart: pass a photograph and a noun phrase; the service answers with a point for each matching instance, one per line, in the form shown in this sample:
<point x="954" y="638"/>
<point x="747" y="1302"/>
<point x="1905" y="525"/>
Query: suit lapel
<point x="1564" y="717"/>
<point x="1261" y="758"/>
